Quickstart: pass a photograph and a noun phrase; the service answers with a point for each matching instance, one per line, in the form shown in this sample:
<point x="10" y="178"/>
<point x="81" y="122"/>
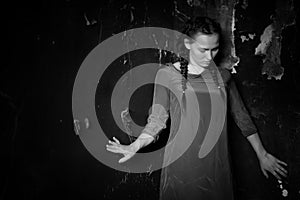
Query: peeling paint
<point x="265" y="41"/>
<point x="251" y="36"/>
<point x="272" y="73"/>
<point x="270" y="46"/>
<point x="244" y="38"/>
<point x="89" y="22"/>
<point x="235" y="59"/>
<point x="128" y="185"/>
<point x="131" y="14"/>
<point x="247" y="37"/>
<point x="126" y="120"/>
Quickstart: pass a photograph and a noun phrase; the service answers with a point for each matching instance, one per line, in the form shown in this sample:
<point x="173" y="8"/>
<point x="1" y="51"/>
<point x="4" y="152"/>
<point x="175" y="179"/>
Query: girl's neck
<point x="195" y="69"/>
<point x="191" y="68"/>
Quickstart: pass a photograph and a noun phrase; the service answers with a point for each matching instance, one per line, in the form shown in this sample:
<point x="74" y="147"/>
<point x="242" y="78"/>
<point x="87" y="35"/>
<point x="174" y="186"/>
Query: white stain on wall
<point x="265" y="41"/>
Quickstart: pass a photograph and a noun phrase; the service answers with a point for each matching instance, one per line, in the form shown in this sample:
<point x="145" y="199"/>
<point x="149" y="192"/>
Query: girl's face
<point x="202" y="49"/>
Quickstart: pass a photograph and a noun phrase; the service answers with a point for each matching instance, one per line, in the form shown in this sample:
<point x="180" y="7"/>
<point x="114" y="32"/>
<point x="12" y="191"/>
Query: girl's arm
<point x="156" y="120"/>
<point x="267" y="161"/>
<point x="242" y="118"/>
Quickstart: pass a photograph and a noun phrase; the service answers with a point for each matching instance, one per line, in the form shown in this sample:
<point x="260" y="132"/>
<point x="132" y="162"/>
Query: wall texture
<point x="46" y="42"/>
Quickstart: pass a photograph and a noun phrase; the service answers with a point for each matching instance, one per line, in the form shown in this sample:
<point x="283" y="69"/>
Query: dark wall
<point x="45" y="43"/>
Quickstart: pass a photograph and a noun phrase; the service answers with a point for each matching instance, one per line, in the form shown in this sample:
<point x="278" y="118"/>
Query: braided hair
<point x="183" y="70"/>
<point x="191" y="28"/>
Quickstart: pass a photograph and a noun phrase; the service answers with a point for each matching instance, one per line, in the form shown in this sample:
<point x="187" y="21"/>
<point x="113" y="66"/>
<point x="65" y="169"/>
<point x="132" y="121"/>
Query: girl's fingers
<point x="274" y="172"/>
<point x="281" y="168"/>
<point x="114" y="147"/>
<point x="125" y="158"/>
<point x="265" y="173"/>
<point x="111" y="146"/>
<point x="111" y="142"/>
<point x="114" y="150"/>
<point x="281" y="172"/>
<point x="281" y="162"/>
<point x="276" y="175"/>
<point x="117" y="141"/>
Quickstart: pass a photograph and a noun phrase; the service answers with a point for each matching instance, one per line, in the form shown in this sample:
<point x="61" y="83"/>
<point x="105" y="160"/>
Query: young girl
<point x="197" y="165"/>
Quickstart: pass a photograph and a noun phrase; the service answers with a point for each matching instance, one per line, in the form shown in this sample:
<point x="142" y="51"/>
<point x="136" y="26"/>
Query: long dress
<point x="196" y="161"/>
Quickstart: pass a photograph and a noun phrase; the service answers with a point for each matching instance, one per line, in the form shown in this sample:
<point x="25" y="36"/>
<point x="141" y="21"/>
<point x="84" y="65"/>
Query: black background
<point x="44" y="44"/>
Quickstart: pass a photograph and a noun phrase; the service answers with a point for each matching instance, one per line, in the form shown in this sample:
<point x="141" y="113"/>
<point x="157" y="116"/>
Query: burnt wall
<point x="45" y="44"/>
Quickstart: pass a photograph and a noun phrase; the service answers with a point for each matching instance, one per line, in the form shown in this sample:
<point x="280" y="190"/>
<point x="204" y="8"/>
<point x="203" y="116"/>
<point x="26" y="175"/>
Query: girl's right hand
<point x="115" y="147"/>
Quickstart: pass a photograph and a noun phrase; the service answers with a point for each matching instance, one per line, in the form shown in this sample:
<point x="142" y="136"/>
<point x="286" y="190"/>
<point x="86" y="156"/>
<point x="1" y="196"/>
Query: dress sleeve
<point x="159" y="111"/>
<point x="239" y="112"/>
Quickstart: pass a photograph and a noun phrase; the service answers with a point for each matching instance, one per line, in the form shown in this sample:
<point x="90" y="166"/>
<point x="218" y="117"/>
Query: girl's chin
<point x="204" y="65"/>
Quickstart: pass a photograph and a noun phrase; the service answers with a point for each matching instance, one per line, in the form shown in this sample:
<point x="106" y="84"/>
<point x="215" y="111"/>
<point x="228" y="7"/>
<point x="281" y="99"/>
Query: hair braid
<point x="183" y="71"/>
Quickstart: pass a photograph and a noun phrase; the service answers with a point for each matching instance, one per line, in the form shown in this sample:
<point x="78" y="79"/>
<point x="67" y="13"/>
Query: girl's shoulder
<point x="225" y="73"/>
<point x="166" y="72"/>
<point x="169" y="68"/>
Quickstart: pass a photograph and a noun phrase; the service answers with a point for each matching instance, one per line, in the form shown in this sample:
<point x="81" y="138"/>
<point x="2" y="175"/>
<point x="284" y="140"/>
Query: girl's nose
<point x="209" y="55"/>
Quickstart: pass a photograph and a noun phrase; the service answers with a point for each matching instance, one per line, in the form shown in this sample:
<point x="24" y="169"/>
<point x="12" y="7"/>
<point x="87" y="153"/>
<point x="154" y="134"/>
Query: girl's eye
<point x="204" y="50"/>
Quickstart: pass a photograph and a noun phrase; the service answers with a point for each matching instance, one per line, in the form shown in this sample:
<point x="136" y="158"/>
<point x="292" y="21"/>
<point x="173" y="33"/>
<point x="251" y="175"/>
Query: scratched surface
<point x="46" y="42"/>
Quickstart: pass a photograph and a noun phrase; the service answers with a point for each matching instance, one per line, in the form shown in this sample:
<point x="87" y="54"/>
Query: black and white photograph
<point x="150" y="100"/>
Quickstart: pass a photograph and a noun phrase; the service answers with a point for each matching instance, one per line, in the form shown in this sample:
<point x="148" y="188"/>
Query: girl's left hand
<point x="275" y="166"/>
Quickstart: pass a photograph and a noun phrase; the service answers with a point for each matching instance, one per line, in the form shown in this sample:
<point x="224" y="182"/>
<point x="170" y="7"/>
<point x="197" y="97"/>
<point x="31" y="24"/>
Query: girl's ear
<point x="187" y="43"/>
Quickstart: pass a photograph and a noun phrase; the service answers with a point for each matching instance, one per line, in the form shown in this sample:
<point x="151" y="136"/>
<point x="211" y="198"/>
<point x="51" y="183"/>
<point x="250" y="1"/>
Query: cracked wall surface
<point x="47" y="41"/>
<point x="271" y="39"/>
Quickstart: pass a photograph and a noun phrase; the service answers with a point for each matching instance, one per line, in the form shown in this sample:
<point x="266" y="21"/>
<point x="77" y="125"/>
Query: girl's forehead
<point x="206" y="40"/>
<point x="200" y="37"/>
